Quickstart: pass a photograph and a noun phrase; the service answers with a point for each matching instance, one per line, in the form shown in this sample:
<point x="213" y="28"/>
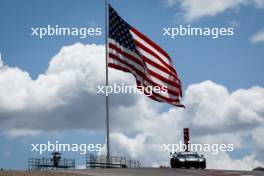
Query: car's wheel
<point x="203" y="166"/>
<point x="172" y="163"/>
<point x="177" y="164"/>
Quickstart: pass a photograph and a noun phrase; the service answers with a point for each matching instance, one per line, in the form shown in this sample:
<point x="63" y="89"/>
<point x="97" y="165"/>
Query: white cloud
<point x="214" y="115"/>
<point x="196" y="9"/>
<point x="64" y="98"/>
<point x="245" y="163"/>
<point x="146" y="149"/>
<point x="258" y="37"/>
<point x="141" y="147"/>
<point x="257" y="135"/>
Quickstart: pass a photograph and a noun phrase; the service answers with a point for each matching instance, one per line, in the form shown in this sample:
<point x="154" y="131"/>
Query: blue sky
<point x="234" y="62"/>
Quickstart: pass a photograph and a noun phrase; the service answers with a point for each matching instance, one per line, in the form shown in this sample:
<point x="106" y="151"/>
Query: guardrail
<point x="102" y="161"/>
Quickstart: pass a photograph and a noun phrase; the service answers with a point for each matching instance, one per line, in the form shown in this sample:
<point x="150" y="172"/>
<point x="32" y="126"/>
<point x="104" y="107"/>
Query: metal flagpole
<point x="106" y="82"/>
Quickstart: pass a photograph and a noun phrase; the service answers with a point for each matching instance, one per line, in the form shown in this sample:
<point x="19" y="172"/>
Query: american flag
<point x="132" y="52"/>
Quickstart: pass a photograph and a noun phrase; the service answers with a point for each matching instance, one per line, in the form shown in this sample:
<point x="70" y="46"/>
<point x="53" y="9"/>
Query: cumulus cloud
<point x="215" y="116"/>
<point x="245" y="163"/>
<point x="258" y="37"/>
<point x="257" y="135"/>
<point x="65" y="98"/>
<point x="196" y="9"/>
<point x="142" y="148"/>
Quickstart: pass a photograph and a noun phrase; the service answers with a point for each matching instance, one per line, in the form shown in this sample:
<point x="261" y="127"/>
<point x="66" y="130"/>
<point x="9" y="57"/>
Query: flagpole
<point x="106" y="83"/>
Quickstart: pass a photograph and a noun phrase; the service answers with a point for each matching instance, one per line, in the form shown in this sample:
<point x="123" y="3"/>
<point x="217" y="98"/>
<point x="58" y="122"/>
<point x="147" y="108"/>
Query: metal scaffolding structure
<point x="102" y="161"/>
<point x="54" y="163"/>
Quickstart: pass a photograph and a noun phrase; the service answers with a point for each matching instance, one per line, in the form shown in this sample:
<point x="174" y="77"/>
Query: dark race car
<point x="187" y="160"/>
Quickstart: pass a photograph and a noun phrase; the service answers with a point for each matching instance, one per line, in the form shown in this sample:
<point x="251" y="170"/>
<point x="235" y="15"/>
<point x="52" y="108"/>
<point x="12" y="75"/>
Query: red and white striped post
<point x="186" y="138"/>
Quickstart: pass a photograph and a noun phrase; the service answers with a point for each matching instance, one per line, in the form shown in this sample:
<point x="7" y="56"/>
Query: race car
<point x="188" y="160"/>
